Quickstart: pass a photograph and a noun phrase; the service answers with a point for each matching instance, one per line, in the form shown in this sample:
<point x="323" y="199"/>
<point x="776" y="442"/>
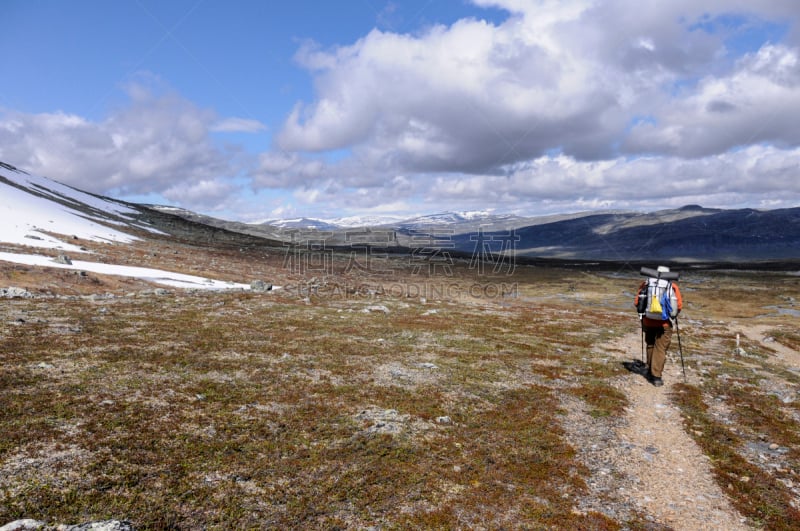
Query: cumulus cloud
<point x="286" y="170"/>
<point x="755" y="174"/>
<point x="758" y="102"/>
<point x="157" y="144"/>
<point x="468" y="97"/>
<point x="596" y="102"/>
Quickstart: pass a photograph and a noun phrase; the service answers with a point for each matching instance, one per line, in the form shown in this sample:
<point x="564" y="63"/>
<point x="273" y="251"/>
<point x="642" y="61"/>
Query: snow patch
<point x="26" y="217"/>
<point x="167" y="278"/>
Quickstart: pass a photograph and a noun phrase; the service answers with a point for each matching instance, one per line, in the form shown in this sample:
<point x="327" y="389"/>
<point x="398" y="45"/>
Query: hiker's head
<point x="662" y="269"/>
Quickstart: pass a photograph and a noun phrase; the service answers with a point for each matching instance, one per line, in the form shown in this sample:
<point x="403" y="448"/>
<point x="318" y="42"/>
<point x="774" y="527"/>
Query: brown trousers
<point x="657" y="340"/>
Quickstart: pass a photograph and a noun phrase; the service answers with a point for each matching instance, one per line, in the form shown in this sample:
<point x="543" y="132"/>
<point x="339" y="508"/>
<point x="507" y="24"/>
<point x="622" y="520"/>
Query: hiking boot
<point x="656" y="381"/>
<point x="637" y="367"/>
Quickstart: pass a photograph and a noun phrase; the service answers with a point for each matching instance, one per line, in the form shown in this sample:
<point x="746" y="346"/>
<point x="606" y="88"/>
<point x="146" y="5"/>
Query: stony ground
<point x="342" y="401"/>
<point x="669" y="477"/>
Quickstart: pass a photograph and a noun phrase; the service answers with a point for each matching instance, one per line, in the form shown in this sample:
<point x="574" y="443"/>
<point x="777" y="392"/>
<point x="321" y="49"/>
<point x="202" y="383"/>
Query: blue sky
<point x="252" y="110"/>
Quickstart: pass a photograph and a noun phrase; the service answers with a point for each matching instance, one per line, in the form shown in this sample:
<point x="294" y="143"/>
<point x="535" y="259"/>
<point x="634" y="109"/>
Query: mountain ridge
<point x="688" y="233"/>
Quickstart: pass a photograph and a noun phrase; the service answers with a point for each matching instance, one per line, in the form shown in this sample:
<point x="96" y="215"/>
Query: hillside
<point x="53" y="226"/>
<point x="685" y="235"/>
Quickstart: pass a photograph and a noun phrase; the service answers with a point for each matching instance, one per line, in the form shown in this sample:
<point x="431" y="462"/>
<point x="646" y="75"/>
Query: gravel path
<point x="670" y="478"/>
<point x="759" y="333"/>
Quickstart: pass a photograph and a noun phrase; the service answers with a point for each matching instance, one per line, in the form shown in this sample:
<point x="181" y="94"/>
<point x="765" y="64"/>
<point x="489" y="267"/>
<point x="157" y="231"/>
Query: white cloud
<point x="238" y="125"/>
<point x="208" y="193"/>
<point x="473" y="112"/>
<point x="157" y="144"/>
<point x="564" y="102"/>
<point x="758" y="173"/>
<point x="759" y="101"/>
<point x="286" y="170"/>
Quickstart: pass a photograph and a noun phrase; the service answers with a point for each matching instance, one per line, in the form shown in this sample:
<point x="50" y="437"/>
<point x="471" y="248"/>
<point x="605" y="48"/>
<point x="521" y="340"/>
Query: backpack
<point x="660" y="300"/>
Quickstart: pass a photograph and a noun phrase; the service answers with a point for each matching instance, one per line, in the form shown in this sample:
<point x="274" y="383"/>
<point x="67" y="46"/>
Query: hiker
<point x="658" y="328"/>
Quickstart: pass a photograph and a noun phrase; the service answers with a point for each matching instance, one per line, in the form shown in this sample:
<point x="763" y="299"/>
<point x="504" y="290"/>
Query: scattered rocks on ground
<point x="29" y="524"/>
<point x="383" y="420"/>
<point x="63" y="259"/>
<point x="259" y="286"/>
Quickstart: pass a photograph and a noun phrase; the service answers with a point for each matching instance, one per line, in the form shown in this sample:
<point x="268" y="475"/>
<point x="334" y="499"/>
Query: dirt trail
<point x="760" y="333"/>
<point x="671" y="477"/>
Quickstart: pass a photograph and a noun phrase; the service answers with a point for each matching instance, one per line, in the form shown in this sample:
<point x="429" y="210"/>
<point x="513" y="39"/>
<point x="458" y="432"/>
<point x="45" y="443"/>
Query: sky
<point x="257" y="109"/>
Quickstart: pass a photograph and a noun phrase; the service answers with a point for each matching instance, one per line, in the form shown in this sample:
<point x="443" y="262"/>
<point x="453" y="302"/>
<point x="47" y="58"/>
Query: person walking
<point x="658" y="331"/>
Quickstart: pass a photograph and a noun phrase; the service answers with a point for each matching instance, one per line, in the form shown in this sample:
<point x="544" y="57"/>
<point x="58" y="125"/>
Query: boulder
<point x="25" y="524"/>
<point x="260" y="286"/>
<point x="15" y="293"/>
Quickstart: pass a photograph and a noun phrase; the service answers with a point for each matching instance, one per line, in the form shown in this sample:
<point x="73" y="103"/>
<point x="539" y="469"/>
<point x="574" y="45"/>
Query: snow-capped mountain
<point x="366" y="221"/>
<point x="333" y="224"/>
<point x="301" y="223"/>
<point x="454" y="220"/>
<point x="460" y="222"/>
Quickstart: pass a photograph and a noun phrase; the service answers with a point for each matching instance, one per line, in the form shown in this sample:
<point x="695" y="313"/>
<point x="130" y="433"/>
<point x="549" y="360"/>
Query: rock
<point x="28" y="524"/>
<point x="108" y="525"/>
<point x="428" y="365"/>
<point x="444" y="420"/>
<point x="385" y="421"/>
<point x="774" y="446"/>
<point x="260" y="286"/>
<point x="23" y="525"/>
<point x="63" y="259"/>
<point x="160" y="292"/>
<point x="377" y="308"/>
<point x="15" y="293"/>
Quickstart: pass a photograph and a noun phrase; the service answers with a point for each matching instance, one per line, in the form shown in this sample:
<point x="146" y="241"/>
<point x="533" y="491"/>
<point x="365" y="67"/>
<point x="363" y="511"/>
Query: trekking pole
<point x="642" y="324"/>
<point x="680" y="348"/>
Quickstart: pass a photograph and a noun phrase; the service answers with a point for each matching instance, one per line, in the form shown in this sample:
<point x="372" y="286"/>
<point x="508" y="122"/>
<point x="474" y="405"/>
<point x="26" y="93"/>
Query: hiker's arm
<point x="638" y="291"/>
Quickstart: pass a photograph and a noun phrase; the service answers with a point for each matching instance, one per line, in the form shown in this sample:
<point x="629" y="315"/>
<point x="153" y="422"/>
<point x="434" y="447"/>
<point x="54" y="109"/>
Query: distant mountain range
<point x="688" y="234"/>
<point x="32" y="209"/>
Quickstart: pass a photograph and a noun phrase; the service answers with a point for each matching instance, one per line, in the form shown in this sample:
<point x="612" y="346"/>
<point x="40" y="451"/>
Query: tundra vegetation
<point x="383" y="397"/>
